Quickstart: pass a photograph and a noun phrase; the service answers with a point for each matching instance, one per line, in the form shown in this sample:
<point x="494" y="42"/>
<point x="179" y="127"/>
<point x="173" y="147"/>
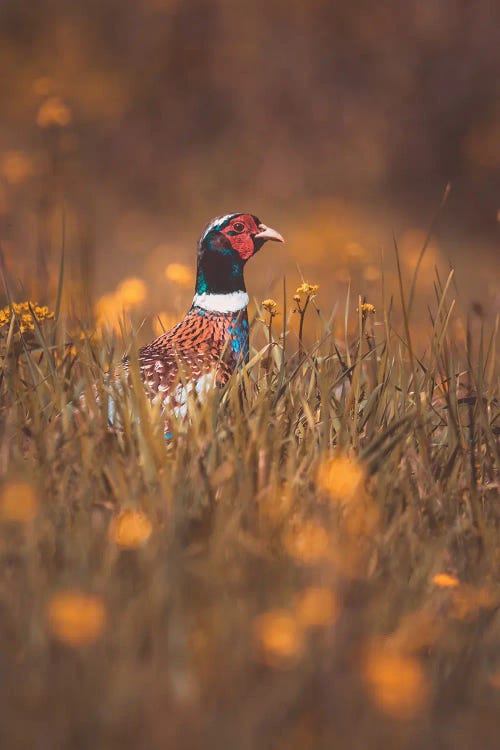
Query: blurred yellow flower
<point x="131" y="292"/>
<point x="16" y="167"/>
<point x="316" y="607"/>
<point x="131" y="529"/>
<point x="307" y="543"/>
<point x="18" y="502"/>
<point x="396" y="683"/>
<point x="53" y="112"/>
<point x="110" y="307"/>
<point x="271" y="306"/>
<point x="355" y="251"/>
<point x="371" y="273"/>
<point x="341" y="478"/>
<point x="180" y="274"/>
<point x="445" y="581"/>
<point x="343" y="482"/>
<point x="278" y="638"/>
<point x="108" y="311"/>
<point x="75" y="617"/>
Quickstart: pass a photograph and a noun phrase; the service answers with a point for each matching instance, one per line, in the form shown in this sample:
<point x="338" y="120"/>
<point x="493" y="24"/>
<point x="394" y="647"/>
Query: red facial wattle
<point x="240" y="232"/>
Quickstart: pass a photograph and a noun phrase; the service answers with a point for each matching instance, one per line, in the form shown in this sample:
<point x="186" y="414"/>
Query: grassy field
<point x="310" y="562"/>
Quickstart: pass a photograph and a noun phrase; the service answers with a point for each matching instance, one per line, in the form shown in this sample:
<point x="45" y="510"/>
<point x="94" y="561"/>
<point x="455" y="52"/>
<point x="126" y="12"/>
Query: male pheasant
<point x="212" y="340"/>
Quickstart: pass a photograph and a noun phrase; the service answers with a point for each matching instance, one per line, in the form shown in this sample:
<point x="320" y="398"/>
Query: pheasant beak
<point x="266" y="233"/>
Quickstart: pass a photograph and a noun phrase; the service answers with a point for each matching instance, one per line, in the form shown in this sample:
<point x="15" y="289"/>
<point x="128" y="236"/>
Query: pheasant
<point x="205" y="348"/>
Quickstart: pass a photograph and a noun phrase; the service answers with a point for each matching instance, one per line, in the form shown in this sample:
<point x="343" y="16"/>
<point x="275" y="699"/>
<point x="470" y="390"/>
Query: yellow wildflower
<point x="24" y="315"/>
<point x="308" y="289"/>
<point x="367" y="309"/>
<point x="271" y="306"/>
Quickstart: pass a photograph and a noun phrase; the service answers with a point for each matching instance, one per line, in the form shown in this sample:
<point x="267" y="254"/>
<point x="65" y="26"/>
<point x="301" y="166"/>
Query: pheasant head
<point x="223" y="250"/>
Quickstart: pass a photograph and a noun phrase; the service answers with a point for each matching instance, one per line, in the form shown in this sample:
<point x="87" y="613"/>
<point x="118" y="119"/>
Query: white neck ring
<point x="222" y="303"/>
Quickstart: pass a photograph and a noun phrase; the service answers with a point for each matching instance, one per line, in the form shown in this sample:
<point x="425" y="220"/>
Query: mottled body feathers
<point x="205" y="348"/>
<point x="204" y="343"/>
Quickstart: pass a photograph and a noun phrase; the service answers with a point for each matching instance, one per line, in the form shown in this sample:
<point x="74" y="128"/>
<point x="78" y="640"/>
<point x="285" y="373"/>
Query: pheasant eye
<point x="238" y="226"/>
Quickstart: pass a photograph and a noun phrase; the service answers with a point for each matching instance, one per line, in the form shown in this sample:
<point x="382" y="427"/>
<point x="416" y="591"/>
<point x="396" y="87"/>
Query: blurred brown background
<point x="337" y="123"/>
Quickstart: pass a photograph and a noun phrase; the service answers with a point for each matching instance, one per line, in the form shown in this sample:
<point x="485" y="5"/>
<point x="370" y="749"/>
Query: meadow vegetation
<point x="310" y="561"/>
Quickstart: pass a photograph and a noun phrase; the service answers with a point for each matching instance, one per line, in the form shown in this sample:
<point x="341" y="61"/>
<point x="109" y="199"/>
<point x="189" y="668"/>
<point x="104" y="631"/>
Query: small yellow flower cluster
<point x="271" y="306"/>
<point x="308" y="289"/>
<point x="367" y="309"/>
<point x="24" y="315"/>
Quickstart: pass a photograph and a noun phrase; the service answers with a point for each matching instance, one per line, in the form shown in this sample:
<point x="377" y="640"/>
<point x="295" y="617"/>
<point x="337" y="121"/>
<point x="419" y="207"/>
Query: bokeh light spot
<point x="53" y="112"/>
<point x="131" y="529"/>
<point x="316" y="606"/>
<point x="180" y="274"/>
<point x="18" y="502"/>
<point x="307" y="543"/>
<point x="75" y="617"/>
<point x="397" y="683"/>
<point x="279" y="639"/>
